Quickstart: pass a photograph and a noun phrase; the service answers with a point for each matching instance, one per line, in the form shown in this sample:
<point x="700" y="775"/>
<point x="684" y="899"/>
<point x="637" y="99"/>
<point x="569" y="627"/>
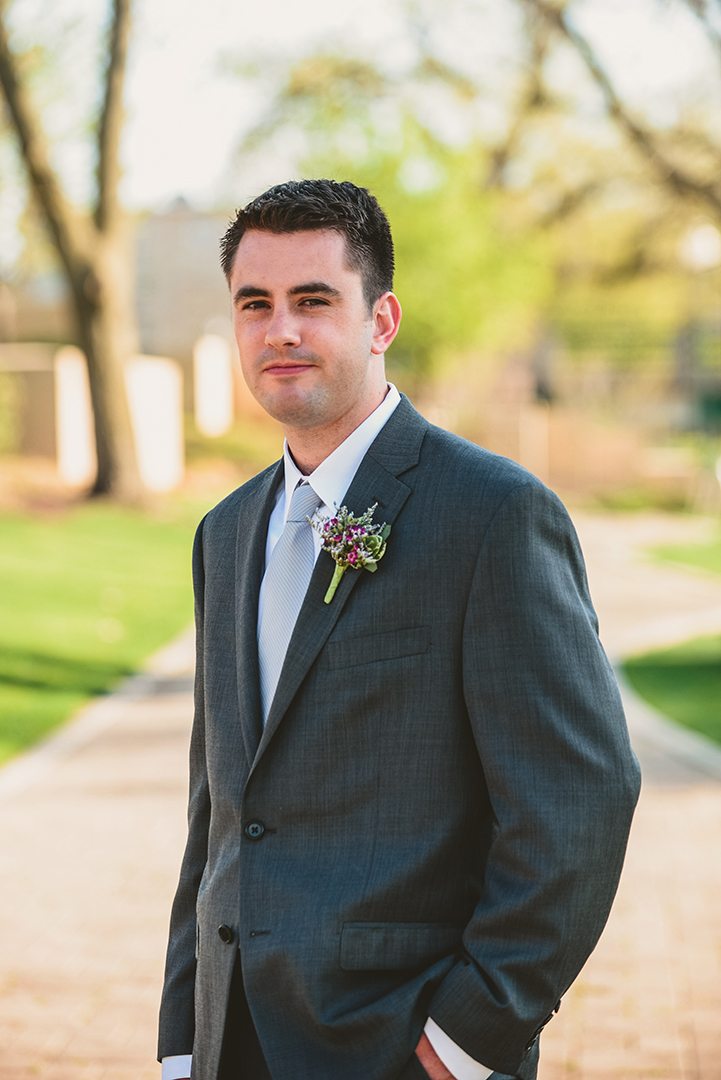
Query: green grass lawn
<point x="684" y="682"/>
<point x="700" y="556"/>
<point x="85" y="596"/>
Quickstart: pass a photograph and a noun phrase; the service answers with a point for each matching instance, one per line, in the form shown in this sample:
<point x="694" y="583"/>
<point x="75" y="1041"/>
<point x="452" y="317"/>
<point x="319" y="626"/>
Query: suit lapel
<point x="375" y="482"/>
<point x="250" y="562"/>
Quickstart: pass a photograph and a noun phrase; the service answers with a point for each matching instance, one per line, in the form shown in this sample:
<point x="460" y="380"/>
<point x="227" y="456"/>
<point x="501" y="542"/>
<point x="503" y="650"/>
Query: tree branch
<point x="111" y="119"/>
<point x="533" y="96"/>
<point x="678" y="179"/>
<point x="68" y="231"/>
<point x="569" y="202"/>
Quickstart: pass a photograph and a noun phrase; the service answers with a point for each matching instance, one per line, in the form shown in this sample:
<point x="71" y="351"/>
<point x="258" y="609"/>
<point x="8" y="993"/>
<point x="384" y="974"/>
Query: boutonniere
<point x="354" y="542"/>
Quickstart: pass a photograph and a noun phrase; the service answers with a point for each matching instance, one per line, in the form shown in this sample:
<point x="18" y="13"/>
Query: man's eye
<point x="313" y="301"/>
<point x="255" y="305"/>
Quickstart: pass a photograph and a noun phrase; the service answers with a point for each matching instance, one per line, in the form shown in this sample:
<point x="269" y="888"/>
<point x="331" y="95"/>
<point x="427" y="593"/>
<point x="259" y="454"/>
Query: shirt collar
<point x="334" y="475"/>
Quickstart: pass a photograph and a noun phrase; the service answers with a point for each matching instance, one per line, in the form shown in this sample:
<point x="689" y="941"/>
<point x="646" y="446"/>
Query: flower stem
<point x="337" y="575"/>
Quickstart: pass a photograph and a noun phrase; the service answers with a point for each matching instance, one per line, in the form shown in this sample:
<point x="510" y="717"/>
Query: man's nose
<point x="283" y="331"/>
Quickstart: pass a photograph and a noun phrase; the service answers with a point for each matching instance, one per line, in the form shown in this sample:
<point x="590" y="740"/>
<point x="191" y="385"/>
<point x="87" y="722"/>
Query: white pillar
<point x="213" y="384"/>
<point x="74" y="426"/>
<point x="155" y="398"/>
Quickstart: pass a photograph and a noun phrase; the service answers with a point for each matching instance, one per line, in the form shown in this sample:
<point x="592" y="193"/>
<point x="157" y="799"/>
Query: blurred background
<point x="552" y="173"/>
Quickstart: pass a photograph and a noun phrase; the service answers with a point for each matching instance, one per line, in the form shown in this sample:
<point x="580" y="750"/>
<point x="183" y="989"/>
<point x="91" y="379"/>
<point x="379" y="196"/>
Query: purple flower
<point x="352" y="541"/>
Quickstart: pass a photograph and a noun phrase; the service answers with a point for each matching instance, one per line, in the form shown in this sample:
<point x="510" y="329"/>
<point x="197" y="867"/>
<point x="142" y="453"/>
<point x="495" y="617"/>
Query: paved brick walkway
<point x="90" y="848"/>
<point x="92" y="828"/>
<point x="648" y="1002"/>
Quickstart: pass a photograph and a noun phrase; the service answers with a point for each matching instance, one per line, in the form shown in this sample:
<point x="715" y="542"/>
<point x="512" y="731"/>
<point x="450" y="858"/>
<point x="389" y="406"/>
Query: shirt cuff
<point x="457" y="1061"/>
<point x="176" y="1068"/>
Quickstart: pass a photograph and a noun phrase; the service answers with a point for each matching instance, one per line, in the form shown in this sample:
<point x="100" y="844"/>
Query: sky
<point x="180" y="72"/>
<point x="187" y="108"/>
<point x="186" y="111"/>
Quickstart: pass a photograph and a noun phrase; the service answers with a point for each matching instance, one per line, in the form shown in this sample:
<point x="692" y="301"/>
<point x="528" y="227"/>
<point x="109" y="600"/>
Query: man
<point x="409" y="802"/>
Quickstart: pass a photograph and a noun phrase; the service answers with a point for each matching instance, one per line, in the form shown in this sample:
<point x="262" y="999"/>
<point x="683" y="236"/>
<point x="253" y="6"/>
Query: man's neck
<point x="310" y="446"/>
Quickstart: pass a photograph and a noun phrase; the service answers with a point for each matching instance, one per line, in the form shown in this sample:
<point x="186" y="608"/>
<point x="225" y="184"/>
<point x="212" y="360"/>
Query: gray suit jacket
<point x="444" y="784"/>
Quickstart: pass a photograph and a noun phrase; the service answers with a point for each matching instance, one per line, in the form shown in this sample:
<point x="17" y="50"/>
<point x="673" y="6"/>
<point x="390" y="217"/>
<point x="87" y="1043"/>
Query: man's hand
<point x="431" y="1062"/>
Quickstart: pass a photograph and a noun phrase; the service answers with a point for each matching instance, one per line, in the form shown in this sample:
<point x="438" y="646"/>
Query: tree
<point x="92" y="252"/>
<point x="547" y="222"/>
<point x="686" y="162"/>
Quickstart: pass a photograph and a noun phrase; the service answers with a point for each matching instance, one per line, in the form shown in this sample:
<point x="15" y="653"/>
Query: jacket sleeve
<point x="562" y="780"/>
<point x="177" y="1009"/>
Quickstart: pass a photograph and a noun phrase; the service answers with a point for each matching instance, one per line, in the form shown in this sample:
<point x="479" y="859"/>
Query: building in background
<point x="180" y="290"/>
<point x="181" y="293"/>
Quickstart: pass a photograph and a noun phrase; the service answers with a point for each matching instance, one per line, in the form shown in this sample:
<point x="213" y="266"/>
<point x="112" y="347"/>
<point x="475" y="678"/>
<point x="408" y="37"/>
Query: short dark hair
<point x="305" y="205"/>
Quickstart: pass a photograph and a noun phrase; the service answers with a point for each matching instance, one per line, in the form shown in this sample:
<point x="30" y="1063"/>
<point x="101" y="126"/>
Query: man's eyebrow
<point x="315" y="287"/>
<point x="246" y="291"/>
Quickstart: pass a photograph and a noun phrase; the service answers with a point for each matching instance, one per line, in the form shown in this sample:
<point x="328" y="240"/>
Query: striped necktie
<point x="284" y="587"/>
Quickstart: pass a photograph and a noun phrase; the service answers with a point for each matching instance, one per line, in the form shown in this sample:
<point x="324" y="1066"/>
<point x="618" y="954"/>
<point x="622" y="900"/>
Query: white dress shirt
<point x="330" y="481"/>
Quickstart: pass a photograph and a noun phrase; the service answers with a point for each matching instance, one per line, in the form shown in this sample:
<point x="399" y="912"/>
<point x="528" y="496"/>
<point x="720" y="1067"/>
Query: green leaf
<point x="385" y="533"/>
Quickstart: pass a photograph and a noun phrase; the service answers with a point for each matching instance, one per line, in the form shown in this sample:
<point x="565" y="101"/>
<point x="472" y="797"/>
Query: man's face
<point x="309" y="347"/>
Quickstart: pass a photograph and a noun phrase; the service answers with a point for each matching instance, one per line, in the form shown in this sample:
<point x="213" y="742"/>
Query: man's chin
<point x="294" y="409"/>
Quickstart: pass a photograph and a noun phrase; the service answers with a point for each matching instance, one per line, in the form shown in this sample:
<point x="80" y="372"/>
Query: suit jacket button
<point x="225" y="934"/>
<point x="254" y="830"/>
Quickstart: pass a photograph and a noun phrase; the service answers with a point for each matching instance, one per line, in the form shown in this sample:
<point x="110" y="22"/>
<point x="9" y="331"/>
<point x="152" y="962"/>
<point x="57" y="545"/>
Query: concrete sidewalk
<point x="92" y="829"/>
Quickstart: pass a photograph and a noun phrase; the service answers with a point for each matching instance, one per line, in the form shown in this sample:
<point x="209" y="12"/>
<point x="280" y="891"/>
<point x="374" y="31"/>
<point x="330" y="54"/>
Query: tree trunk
<point x="94" y="256"/>
<point x="104" y="310"/>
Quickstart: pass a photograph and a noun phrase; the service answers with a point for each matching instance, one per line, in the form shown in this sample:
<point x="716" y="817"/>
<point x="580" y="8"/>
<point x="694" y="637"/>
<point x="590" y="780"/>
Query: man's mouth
<point x="287" y="369"/>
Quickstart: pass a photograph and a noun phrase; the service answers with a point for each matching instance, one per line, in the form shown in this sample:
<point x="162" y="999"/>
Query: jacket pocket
<point x="366" y="946"/>
<point x="388" y="645"/>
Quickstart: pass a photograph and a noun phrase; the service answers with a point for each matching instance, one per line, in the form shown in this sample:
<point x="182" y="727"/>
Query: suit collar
<point x="395" y="450"/>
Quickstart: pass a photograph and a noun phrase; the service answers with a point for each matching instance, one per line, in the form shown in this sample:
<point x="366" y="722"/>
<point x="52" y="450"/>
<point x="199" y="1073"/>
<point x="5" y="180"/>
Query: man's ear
<point x="386" y="322"/>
